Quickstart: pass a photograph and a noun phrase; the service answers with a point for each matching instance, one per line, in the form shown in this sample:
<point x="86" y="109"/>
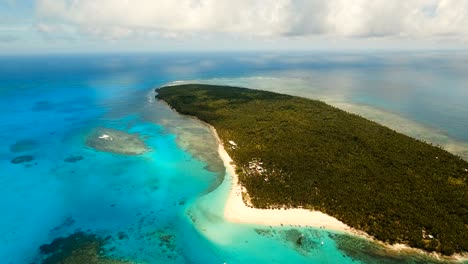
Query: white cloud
<point x="116" y="19"/>
<point x="56" y="31"/>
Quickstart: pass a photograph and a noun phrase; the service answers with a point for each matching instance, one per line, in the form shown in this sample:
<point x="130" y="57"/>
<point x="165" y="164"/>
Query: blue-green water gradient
<point x="166" y="205"/>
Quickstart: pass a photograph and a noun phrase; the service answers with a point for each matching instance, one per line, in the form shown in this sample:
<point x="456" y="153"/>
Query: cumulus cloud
<point x="116" y="19"/>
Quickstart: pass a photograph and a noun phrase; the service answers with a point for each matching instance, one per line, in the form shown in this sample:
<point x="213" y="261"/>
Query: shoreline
<point x="384" y="117"/>
<point x="237" y="211"/>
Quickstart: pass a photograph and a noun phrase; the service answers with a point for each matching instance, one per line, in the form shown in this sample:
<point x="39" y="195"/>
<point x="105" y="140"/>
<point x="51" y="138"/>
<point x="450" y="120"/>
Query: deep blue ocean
<point x="166" y="205"/>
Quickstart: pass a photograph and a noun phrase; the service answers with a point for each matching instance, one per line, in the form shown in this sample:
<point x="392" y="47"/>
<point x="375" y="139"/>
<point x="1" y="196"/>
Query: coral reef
<point x="23" y="145"/>
<point x="73" y="159"/>
<point x="22" y="159"/>
<point x="115" y="141"/>
<point x="77" y="248"/>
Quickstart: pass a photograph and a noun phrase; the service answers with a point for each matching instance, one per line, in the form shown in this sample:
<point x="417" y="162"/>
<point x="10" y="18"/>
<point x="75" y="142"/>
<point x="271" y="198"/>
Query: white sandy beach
<point x="237" y="211"/>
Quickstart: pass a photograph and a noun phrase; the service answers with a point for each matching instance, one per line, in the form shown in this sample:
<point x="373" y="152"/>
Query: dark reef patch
<point x="73" y="159"/>
<point x="77" y="248"/>
<point x="69" y="221"/>
<point x="22" y="159"/>
<point x="367" y="251"/>
<point x="167" y="243"/>
<point x="302" y="242"/>
<point x="23" y="145"/>
<point x="122" y="235"/>
<point x="183" y="201"/>
<point x="42" y="106"/>
<point x="264" y="232"/>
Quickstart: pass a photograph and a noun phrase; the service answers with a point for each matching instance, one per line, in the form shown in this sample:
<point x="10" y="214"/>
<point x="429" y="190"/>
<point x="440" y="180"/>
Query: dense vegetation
<point x="315" y="156"/>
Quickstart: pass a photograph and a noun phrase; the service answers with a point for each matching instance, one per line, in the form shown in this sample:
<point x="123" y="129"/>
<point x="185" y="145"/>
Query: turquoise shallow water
<point x="166" y="205"/>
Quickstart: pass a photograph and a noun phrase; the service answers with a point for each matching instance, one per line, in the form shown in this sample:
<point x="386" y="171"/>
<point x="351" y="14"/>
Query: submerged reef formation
<point x="116" y="141"/>
<point x="23" y="145"/>
<point x="22" y="159"/>
<point x="73" y="159"/>
<point x="43" y="106"/>
<point x="366" y="251"/>
<point x="310" y="241"/>
<point x="77" y="248"/>
<point x="303" y="242"/>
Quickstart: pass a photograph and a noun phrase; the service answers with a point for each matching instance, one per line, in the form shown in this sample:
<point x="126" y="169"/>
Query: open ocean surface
<point x="166" y="205"/>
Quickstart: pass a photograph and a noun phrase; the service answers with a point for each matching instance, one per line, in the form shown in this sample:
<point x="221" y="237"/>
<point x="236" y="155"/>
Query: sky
<point x="89" y="26"/>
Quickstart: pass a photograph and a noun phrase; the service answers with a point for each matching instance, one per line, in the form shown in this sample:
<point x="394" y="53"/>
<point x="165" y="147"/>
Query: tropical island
<point x="292" y="152"/>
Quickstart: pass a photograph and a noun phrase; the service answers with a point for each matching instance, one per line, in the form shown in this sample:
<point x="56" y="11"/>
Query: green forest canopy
<point x="312" y="155"/>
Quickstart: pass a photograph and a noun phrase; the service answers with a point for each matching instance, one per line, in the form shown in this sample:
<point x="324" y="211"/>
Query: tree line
<point x="394" y="187"/>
